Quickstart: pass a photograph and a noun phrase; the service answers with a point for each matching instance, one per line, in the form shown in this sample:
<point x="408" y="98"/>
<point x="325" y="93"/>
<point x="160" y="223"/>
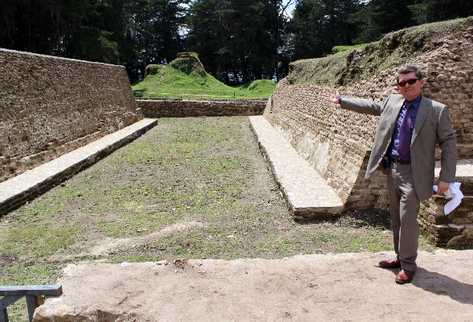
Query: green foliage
<point x="238" y="40"/>
<point x="382" y="16"/>
<point x="188" y="63"/>
<point x="436" y="10"/>
<point x="132" y="32"/>
<point x="153" y="69"/>
<point x="186" y="78"/>
<point x="261" y="86"/>
<point x="319" y="25"/>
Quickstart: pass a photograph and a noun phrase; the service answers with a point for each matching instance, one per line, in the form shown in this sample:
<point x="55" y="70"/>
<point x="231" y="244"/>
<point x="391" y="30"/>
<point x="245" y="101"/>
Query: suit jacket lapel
<point x="395" y="113"/>
<point x="422" y="114"/>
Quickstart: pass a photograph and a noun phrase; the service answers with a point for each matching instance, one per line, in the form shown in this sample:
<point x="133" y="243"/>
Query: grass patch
<point x="207" y="170"/>
<point x="342" y="48"/>
<point x="37" y="241"/>
<point x="187" y="79"/>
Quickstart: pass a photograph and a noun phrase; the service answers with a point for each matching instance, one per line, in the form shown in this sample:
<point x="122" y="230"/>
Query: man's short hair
<point x="410" y="69"/>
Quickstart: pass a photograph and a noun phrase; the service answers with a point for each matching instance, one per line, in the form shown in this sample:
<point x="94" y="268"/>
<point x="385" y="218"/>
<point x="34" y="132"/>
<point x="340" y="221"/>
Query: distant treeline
<point x="237" y="40"/>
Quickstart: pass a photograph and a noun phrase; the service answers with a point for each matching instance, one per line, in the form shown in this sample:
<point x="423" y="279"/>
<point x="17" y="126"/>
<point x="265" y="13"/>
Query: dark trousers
<point x="403" y="207"/>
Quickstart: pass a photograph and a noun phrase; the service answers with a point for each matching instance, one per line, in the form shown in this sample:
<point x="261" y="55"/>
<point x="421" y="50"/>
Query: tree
<point x="238" y="40"/>
<point x="71" y="28"/>
<point x="153" y="36"/>
<point x="424" y="11"/>
<point x="378" y="17"/>
<point x="276" y="11"/>
<point x="318" y="25"/>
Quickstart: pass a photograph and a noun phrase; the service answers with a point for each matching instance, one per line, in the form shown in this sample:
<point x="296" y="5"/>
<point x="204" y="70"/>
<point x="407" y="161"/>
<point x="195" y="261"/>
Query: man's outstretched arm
<point x="359" y="105"/>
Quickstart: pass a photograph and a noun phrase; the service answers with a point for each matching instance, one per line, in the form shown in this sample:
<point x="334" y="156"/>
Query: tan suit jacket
<point x="432" y="126"/>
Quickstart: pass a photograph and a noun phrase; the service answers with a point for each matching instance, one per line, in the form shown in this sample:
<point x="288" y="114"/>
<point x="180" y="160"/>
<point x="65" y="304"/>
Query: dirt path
<point x="342" y="287"/>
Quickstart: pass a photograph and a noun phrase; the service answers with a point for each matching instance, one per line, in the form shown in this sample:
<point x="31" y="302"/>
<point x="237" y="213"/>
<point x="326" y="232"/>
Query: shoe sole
<point x="403" y="282"/>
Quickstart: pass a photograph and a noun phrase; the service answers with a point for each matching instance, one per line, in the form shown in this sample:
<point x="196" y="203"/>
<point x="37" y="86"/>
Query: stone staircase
<point x="456" y="229"/>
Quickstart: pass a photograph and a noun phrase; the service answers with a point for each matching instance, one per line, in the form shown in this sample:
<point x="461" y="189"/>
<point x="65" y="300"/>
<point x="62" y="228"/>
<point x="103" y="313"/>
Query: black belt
<point x="400" y="161"/>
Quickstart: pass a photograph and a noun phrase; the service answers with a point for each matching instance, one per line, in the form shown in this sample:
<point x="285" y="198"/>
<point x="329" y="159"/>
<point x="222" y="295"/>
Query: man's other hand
<point x="442" y="187"/>
<point x="335" y="99"/>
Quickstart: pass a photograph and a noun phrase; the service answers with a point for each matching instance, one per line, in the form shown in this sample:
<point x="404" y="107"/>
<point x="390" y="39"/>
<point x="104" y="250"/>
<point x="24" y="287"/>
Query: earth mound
<point x="369" y="60"/>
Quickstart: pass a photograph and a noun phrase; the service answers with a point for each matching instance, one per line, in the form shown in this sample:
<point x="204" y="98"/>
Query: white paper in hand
<point x="454" y="195"/>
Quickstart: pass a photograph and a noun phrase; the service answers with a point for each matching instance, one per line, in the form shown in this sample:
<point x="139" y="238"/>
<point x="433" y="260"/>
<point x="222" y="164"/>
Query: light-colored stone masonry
<point x="337" y="142"/>
<point x="50" y="106"/>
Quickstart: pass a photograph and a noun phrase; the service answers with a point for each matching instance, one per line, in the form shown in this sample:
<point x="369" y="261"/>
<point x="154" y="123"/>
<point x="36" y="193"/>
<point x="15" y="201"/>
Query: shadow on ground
<point x="376" y="218"/>
<point x="444" y="285"/>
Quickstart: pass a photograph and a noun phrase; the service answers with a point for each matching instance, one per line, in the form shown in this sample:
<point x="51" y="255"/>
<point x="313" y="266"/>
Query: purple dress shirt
<point x="400" y="146"/>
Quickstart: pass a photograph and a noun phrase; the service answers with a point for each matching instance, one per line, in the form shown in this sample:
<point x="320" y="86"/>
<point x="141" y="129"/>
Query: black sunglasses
<point x="411" y="81"/>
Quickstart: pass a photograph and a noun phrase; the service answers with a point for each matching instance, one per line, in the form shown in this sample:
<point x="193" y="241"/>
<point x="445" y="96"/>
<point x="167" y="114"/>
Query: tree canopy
<point x="237" y="40"/>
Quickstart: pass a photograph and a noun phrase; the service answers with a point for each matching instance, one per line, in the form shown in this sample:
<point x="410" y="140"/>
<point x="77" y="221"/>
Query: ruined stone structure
<point x="337" y="142"/>
<point x="50" y="106"/>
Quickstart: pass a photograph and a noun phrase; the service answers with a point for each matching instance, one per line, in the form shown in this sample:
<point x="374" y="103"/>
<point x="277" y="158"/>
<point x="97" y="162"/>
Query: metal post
<point x="32" y="303"/>
<point x="3" y="315"/>
<point x="4" y="303"/>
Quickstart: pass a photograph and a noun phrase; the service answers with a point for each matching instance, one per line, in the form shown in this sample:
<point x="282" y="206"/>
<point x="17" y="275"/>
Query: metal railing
<point x="35" y="295"/>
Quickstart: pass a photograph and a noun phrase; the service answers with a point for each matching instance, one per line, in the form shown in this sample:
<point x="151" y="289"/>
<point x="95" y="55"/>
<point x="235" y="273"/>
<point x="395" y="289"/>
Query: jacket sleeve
<point x="361" y="105"/>
<point x="447" y="140"/>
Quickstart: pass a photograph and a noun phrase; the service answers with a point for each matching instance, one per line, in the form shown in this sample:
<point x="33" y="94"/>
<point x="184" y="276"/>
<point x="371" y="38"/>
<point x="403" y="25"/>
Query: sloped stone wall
<point x="337" y="142"/>
<point x="50" y="106"/>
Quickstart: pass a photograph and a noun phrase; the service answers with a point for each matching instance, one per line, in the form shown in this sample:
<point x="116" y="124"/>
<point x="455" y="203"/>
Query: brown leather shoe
<point x="404" y="277"/>
<point x="390" y="263"/>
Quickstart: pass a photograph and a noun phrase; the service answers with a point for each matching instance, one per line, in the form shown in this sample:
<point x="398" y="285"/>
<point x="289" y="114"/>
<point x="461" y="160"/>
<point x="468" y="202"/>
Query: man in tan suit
<point x="409" y="127"/>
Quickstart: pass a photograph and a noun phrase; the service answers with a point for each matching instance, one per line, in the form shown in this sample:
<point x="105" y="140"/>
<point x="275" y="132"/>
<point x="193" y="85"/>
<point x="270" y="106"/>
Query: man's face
<point x="408" y="90"/>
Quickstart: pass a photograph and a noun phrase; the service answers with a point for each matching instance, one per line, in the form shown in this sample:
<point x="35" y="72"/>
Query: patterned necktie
<point x="405" y="133"/>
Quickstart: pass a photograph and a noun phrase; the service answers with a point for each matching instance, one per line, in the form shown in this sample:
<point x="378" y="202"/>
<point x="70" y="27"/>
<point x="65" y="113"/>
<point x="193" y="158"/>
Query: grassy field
<point x="189" y="188"/>
<point x="169" y="82"/>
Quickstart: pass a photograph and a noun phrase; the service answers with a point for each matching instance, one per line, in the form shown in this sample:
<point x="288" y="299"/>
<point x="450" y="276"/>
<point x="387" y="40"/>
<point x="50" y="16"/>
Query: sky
<point x="290" y="9"/>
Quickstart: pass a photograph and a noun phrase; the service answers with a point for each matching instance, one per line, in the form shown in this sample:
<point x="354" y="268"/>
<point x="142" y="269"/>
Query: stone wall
<point x="337" y="142"/>
<point x="334" y="141"/>
<point x="50" y="106"/>
<point x="187" y="108"/>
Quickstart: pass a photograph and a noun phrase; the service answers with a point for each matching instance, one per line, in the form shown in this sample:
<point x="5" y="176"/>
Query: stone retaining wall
<point x="22" y="188"/>
<point x="185" y="108"/>
<point x="50" y="106"/>
<point x="336" y="142"/>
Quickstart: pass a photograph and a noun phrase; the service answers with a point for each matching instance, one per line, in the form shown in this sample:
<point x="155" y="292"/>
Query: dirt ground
<point x="331" y="287"/>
